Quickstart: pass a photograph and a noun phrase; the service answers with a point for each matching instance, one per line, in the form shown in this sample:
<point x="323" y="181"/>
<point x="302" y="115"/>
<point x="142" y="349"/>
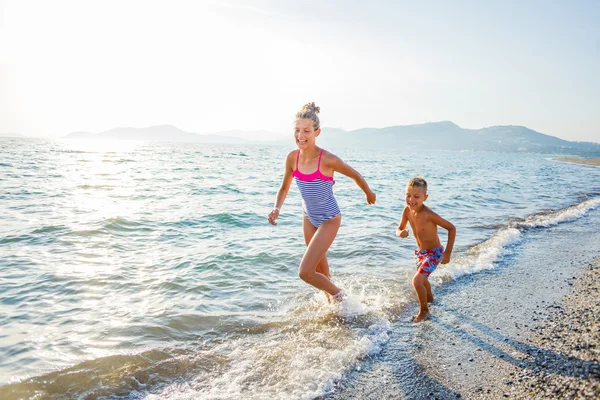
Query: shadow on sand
<point x="536" y="359"/>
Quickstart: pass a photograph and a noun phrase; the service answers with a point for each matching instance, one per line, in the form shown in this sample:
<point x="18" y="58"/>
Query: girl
<point x="313" y="169"/>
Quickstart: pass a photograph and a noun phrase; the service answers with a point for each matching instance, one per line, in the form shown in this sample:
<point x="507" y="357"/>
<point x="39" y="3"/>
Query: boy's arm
<point x="439" y="221"/>
<point x="401" y="231"/>
<point x="345" y="169"/>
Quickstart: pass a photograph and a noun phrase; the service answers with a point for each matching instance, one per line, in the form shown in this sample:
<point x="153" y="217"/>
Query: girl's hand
<point x="446" y="257"/>
<point x="273" y="216"/>
<point x="371" y="197"/>
<point x="403" y="233"/>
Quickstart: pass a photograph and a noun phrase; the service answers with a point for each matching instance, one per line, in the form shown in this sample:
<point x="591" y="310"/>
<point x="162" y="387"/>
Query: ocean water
<point x="148" y="270"/>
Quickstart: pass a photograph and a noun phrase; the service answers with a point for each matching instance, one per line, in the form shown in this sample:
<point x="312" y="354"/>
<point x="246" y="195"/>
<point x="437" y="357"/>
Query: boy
<point x="429" y="252"/>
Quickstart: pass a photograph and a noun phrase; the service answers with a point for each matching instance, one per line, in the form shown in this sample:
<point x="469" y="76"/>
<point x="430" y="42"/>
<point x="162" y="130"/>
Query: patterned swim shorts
<point x="428" y="260"/>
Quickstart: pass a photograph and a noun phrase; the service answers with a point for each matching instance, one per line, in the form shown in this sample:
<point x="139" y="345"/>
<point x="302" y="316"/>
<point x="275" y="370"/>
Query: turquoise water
<point x="132" y="269"/>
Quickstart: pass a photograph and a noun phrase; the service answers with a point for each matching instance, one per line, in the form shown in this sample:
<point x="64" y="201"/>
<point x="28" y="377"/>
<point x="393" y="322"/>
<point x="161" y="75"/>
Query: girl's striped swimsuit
<point x="316" y="189"/>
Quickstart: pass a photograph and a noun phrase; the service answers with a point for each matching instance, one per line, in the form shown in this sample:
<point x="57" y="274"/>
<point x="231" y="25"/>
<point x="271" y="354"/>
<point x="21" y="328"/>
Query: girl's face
<point x="304" y="133"/>
<point x="415" y="196"/>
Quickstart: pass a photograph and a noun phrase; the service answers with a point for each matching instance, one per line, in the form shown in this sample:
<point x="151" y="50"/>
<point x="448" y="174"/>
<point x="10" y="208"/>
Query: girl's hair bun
<point x="311" y="107"/>
<point x="310" y="111"/>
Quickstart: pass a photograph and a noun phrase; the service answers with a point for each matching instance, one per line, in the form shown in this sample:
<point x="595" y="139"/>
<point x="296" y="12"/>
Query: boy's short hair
<point x="419" y="182"/>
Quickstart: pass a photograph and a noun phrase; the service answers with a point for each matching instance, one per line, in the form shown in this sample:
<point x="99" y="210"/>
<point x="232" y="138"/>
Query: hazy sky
<point x="208" y="66"/>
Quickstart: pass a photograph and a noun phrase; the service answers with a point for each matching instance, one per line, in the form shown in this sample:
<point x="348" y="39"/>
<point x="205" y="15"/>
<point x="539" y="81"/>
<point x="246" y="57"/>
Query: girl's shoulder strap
<point x="297" y="158"/>
<point x="319" y="164"/>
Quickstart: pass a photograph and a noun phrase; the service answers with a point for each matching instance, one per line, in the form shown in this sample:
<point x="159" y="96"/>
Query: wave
<point x="75" y="152"/>
<point x="551" y="218"/>
<point x="50" y="229"/>
<point x="119" y="161"/>
<point x="43" y="232"/>
<point x="119" y="224"/>
<point x="15" y="239"/>
<point x="99" y="187"/>
<point x="242" y="220"/>
<point x="485" y="255"/>
<point x="226" y="188"/>
<point x="300" y="357"/>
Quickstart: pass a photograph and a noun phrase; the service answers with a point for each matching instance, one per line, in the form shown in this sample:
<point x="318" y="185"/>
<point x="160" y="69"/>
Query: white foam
<point x="485" y="255"/>
<point x="351" y="306"/>
<point x="301" y="359"/>
<point x="481" y="257"/>
<point x="556" y="217"/>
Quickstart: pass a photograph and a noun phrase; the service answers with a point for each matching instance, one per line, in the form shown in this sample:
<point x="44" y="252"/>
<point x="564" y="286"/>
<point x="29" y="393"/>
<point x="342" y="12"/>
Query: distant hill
<point x="447" y="135"/>
<point x="256" y="136"/>
<point x="161" y="133"/>
<point x="431" y="135"/>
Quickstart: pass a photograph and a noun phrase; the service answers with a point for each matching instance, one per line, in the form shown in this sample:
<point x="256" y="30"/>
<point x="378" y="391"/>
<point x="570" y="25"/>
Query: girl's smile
<point x="304" y="133"/>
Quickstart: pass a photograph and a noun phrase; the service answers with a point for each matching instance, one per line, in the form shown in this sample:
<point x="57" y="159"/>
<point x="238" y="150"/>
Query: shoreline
<point x="519" y="331"/>
<point x="582" y="161"/>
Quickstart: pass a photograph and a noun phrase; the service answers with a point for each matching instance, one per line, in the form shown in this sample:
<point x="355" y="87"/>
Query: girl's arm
<point x="344" y="169"/>
<point x="401" y="231"/>
<point x="283" y="189"/>
<point x="439" y="221"/>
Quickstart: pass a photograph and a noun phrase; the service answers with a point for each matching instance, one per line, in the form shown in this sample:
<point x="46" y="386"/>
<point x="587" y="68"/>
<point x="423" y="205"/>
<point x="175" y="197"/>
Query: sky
<point x="211" y="66"/>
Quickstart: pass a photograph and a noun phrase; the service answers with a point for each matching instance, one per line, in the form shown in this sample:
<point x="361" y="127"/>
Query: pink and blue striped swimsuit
<point x="316" y="189"/>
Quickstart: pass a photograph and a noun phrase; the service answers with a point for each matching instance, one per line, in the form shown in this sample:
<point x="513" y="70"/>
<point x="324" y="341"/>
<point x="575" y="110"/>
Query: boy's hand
<point x="402" y="234"/>
<point x="446" y="257"/>
<point x="371" y="197"/>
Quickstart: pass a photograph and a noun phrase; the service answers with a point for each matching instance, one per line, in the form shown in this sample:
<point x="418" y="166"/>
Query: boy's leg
<point x="429" y="292"/>
<point x="418" y="282"/>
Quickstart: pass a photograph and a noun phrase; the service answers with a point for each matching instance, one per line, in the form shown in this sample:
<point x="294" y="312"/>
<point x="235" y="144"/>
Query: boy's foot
<point x="327" y="297"/>
<point x="430" y="299"/>
<point x="421" y="316"/>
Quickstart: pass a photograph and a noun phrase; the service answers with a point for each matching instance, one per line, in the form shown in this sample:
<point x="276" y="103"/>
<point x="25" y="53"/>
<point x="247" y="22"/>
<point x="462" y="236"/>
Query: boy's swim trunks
<point x="428" y="260"/>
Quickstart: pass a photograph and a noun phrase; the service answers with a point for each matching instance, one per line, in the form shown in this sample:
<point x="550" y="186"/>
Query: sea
<point x="134" y="270"/>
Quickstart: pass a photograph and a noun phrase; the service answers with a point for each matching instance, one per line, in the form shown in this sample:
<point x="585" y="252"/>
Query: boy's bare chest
<point x="420" y="224"/>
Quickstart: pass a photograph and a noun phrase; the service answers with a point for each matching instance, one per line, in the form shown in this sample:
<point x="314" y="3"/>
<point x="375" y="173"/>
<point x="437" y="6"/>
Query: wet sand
<point x="527" y="330"/>
<point x="584" y="161"/>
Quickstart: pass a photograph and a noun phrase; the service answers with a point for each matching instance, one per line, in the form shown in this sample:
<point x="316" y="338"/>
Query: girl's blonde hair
<point x="419" y="182"/>
<point x="310" y="111"/>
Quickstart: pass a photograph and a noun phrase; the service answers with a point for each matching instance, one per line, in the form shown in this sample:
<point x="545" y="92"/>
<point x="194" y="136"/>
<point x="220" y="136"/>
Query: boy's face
<point x="415" y="196"/>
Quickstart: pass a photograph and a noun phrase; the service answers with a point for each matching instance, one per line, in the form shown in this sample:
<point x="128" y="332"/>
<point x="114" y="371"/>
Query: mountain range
<point x="159" y="133"/>
<point x="447" y="135"/>
<point x="432" y="135"/>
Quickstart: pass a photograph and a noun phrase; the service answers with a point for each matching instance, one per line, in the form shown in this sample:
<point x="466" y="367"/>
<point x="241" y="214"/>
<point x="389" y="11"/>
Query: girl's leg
<point x="315" y="251"/>
<point x="309" y="231"/>
<point x="323" y="266"/>
<point x="419" y="285"/>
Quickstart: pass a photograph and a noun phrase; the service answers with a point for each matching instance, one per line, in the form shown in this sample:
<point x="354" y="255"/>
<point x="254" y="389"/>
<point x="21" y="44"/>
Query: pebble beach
<point x="567" y="364"/>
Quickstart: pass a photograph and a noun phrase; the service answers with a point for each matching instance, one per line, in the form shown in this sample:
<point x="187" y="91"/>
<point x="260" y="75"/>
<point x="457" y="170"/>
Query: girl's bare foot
<point x="430" y="299"/>
<point x="421" y="316"/>
<point x="327" y="297"/>
<point x="338" y="297"/>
